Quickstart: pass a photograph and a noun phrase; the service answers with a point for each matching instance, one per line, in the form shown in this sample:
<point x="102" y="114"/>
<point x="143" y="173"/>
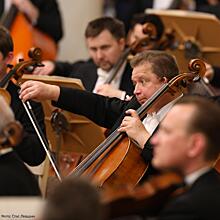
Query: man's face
<point x="145" y="81"/>
<point x="172" y="142"/>
<point x="105" y="50"/>
<point x="136" y="34"/>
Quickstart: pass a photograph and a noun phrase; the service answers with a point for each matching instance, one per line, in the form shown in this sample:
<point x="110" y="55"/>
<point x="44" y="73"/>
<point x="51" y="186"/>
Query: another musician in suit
<point x="44" y="15"/>
<point x="151" y="70"/>
<point x="188" y="143"/>
<point x="105" y="39"/>
<point x="16" y="179"/>
<point x="30" y="150"/>
<point x="213" y="75"/>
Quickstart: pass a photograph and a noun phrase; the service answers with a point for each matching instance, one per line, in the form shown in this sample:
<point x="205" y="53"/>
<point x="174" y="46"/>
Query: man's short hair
<point x="114" y="26"/>
<point x="75" y="198"/>
<point x="162" y="63"/>
<point x="6" y="42"/>
<point x="206" y="120"/>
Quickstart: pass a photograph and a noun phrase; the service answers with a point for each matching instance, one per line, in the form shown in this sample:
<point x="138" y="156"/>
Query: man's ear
<point x="164" y="79"/>
<point x="9" y="58"/>
<point x="198" y="143"/>
<point x="122" y="42"/>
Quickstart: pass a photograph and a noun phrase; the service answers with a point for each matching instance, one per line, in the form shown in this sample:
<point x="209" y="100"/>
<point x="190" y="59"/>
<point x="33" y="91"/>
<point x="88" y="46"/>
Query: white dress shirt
<point x="192" y="177"/>
<point x="152" y="120"/>
<point x="7" y="5"/>
<point x="103" y="76"/>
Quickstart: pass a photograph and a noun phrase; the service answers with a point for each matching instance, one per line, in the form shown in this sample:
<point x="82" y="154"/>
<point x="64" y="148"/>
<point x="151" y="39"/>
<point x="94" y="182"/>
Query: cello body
<point x="120" y="165"/>
<point x="26" y="36"/>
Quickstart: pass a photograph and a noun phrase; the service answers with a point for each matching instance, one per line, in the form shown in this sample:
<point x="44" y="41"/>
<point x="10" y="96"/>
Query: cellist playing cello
<point x="151" y="70"/>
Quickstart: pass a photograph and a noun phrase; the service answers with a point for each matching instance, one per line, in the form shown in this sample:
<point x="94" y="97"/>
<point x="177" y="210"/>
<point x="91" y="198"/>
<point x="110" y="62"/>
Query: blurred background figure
<point x="136" y="30"/>
<point x="74" y="199"/>
<point x="44" y="15"/>
<point x="209" y="6"/>
<point x="32" y="23"/>
<point x="124" y="10"/>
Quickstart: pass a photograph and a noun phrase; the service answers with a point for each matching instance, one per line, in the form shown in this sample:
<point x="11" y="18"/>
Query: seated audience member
<point x="16" y="179"/>
<point x="74" y="199"/>
<point x="105" y="39"/>
<point x="188" y="143"/>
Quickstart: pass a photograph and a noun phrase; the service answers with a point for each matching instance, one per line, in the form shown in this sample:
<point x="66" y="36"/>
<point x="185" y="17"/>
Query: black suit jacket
<point x="216" y="79"/>
<point x="104" y="111"/>
<point x="16" y="179"/>
<point x="87" y="72"/>
<point x="30" y="149"/>
<point x="201" y="201"/>
<point x="49" y="20"/>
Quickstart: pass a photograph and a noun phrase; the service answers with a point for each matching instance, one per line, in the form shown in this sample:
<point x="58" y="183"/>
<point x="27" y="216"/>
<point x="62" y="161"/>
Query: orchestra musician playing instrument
<point x="188" y="143"/>
<point x="44" y="15"/>
<point x="30" y="149"/>
<point x="105" y="40"/>
<point x="151" y="70"/>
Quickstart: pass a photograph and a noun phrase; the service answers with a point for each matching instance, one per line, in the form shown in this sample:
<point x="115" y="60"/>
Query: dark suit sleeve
<point x="216" y="79"/>
<point x="177" y="210"/>
<point x="30" y="150"/>
<point x="100" y="109"/>
<point x="67" y="69"/>
<point x="49" y="20"/>
<point x="147" y="152"/>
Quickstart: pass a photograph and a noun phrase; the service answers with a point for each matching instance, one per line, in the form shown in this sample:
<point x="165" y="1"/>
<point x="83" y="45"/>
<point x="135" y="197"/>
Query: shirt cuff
<point x="123" y="95"/>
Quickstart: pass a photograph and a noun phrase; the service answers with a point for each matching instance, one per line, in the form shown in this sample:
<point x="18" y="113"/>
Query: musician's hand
<point x="39" y="91"/>
<point x="134" y="128"/>
<point x="209" y="74"/>
<point x="47" y="69"/>
<point x="108" y="90"/>
<point x="27" y="8"/>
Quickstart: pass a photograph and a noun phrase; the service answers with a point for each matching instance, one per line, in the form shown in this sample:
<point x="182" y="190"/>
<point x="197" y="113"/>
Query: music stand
<point x="83" y="135"/>
<point x="197" y="35"/>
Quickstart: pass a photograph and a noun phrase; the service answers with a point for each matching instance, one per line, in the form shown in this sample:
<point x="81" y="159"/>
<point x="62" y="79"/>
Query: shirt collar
<point x="192" y="177"/>
<point x="5" y="151"/>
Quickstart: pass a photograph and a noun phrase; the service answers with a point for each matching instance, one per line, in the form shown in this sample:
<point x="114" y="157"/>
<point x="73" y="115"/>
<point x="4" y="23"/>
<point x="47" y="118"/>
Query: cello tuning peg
<point x="10" y="66"/>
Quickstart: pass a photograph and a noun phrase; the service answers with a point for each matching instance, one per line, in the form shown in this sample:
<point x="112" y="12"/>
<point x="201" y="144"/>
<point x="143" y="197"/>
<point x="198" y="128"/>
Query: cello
<point x="25" y="36"/>
<point x="111" y="162"/>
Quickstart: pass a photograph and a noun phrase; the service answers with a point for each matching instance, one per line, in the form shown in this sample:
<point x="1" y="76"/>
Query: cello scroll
<point x="22" y="67"/>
